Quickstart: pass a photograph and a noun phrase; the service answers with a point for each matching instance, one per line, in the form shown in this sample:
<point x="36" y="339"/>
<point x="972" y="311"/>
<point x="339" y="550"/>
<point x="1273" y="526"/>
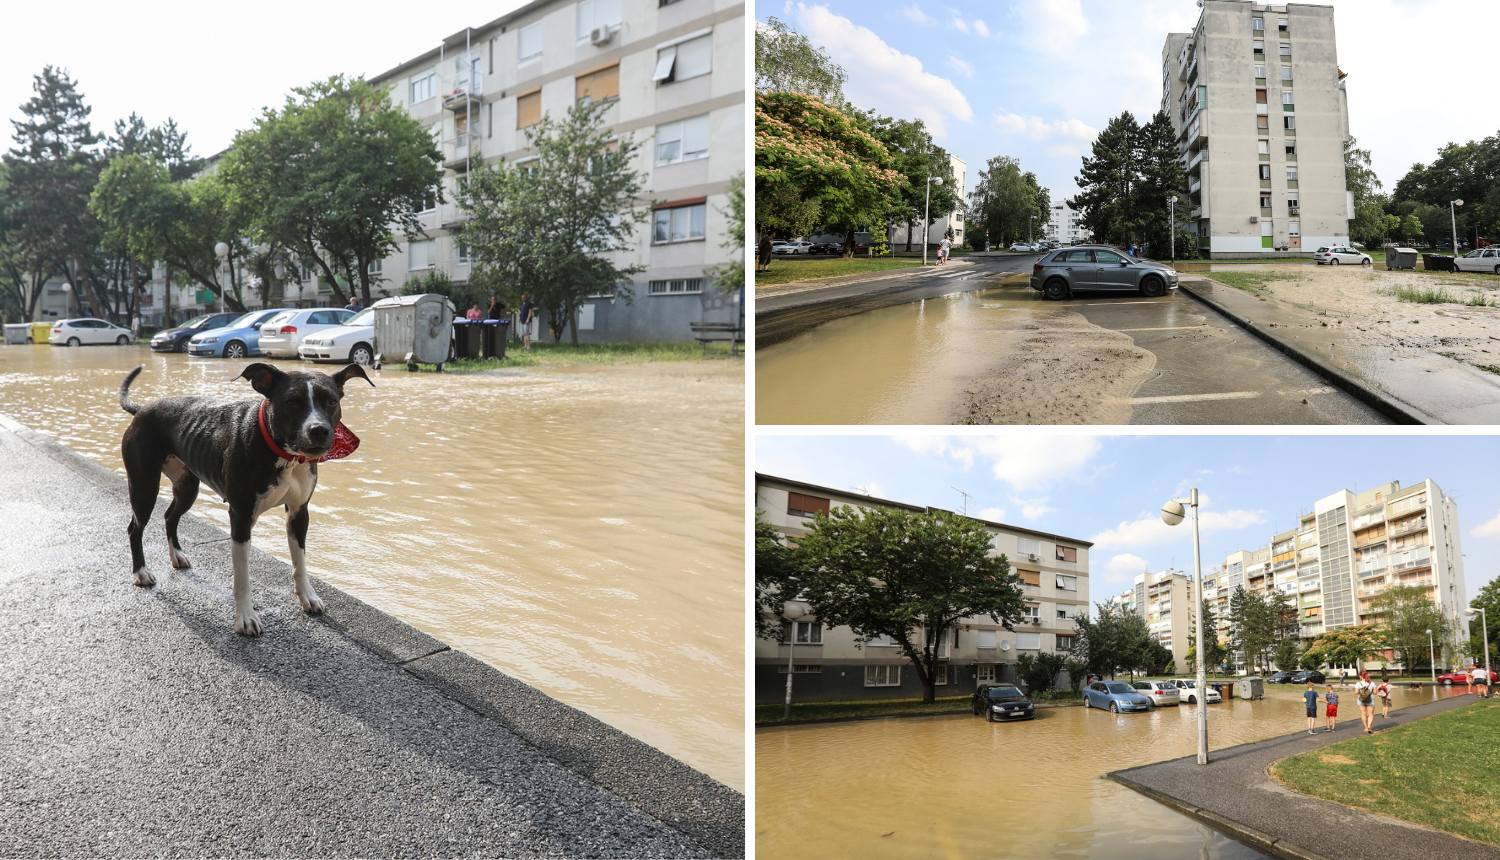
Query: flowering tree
<point x="816" y="165"/>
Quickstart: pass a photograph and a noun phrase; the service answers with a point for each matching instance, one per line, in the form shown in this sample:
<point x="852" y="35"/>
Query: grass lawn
<point x="1250" y="282"/>
<point x="1438" y="772"/>
<point x="556" y="354"/>
<point x="785" y="271"/>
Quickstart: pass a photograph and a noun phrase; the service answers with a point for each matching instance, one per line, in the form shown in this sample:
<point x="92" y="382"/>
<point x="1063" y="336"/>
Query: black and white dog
<point x="254" y="454"/>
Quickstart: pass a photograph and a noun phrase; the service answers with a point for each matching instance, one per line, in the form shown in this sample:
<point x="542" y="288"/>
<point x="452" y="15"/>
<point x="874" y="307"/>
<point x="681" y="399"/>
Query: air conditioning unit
<point x="1254" y="219"/>
<point x="601" y="35"/>
<point x="1295" y="210"/>
<point x="1033" y="557"/>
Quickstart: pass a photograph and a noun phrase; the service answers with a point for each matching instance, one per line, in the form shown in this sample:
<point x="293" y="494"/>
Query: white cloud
<point x="1027" y="463"/>
<point x="915" y="14"/>
<point x="960" y="25"/>
<point x="963" y="67"/>
<point x="1124" y="567"/>
<point x="1065" y="136"/>
<point x="874" y="489"/>
<point x="980" y="28"/>
<point x="1052" y="26"/>
<point x="1489" y="529"/>
<point x="994" y="515"/>
<point x="881" y="76"/>
<point x="1032" y="510"/>
<point x="1150" y="531"/>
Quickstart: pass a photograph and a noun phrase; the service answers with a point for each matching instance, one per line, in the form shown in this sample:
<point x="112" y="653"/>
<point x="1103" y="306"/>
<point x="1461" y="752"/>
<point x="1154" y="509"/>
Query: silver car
<point x="1479" y="260"/>
<point x="282" y="334"/>
<point x="1099" y="267"/>
<point x="1187" y="692"/>
<point x="1159" y="692"/>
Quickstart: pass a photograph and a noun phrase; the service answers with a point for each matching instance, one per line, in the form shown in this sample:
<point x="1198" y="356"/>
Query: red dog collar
<point x="344" y="442"/>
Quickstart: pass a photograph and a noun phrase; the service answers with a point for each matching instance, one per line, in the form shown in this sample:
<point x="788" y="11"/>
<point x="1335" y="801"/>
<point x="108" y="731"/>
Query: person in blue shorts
<point x="1310" y="698"/>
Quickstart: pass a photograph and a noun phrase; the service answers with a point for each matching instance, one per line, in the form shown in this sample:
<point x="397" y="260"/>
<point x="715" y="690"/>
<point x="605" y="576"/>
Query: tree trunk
<point x="849" y="244"/>
<point x="166" y="309"/>
<point x="909" y="226"/>
<point x="572" y="323"/>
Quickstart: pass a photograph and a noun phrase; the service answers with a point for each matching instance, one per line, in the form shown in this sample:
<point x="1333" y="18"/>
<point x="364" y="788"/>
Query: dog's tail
<point x="125" y="402"/>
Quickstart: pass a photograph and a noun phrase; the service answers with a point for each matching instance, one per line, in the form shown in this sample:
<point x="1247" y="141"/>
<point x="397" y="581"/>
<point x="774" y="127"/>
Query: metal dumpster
<point x="413" y="330"/>
<point x="465" y="339"/>
<point x="495" y="333"/>
<point x="1400" y="258"/>
<point x="17" y="332"/>
<point x="1251" y="688"/>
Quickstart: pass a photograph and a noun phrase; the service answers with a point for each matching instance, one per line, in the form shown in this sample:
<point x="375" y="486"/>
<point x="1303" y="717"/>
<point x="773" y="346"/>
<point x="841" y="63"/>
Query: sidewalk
<point x="1412" y="389"/>
<point x="844" y="280"/>
<point x="1235" y="795"/>
<point x="135" y="722"/>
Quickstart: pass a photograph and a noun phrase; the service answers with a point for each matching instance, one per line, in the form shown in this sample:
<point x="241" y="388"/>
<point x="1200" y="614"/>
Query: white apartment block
<point x="1165" y="601"/>
<point x="1064" y="226"/>
<point x="946" y="221"/>
<point x="1258" y="101"/>
<point x="831" y="665"/>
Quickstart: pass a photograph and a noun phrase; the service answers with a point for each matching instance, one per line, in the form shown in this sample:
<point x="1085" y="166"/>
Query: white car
<point x="1335" y="254"/>
<point x="1187" y="692"/>
<point x="353" y="341"/>
<point x="281" y="334"/>
<point x="1021" y="246"/>
<point x="1479" y="260"/>
<point x="86" y="330"/>
<point x="1159" y="692"/>
<point x="793" y="248"/>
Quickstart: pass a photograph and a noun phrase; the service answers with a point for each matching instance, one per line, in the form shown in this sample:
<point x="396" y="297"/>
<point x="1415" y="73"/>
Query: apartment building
<point x="1064" y="226"/>
<point x="832" y="665"/>
<point x="1348" y="550"/>
<point x="953" y="220"/>
<point x="1259" y="104"/>
<point x="1165" y="601"/>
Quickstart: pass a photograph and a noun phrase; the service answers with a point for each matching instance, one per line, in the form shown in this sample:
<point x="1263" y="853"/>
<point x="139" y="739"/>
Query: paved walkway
<point x="1235" y="795"/>
<point x="135" y="722"/>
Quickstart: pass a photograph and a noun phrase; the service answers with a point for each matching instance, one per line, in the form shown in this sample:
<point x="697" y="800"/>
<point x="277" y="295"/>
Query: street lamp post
<point x="1029" y="225"/>
<point x="1453" y="220"/>
<point x="1432" y="657"/>
<point x="926" y="210"/>
<point x="1172" y="224"/>
<point x="1485" y="628"/>
<point x="1172" y="513"/>
<point x="67" y="289"/>
<point x="222" y="250"/>
<point x="791" y="610"/>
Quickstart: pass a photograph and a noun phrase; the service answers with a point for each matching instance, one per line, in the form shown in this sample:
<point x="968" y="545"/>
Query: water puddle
<point x="581" y="529"/>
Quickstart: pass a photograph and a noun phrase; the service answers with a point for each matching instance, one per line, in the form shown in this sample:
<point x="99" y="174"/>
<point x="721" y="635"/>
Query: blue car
<point x="239" y="339"/>
<point x="1117" y="696"/>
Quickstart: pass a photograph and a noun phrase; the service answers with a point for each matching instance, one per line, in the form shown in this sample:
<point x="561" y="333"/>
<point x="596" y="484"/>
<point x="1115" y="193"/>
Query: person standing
<point x="1482" y="681"/>
<point x="528" y="310"/>
<point x="1333" y="709"/>
<point x="1469" y="677"/>
<point x="764" y="252"/>
<point x="353" y="304"/>
<point x="1384" y="692"/>
<point x="474" y="314"/>
<point x="943" y="250"/>
<point x="496" y="310"/>
<point x="1364" y="696"/>
<point x="1310" y="698"/>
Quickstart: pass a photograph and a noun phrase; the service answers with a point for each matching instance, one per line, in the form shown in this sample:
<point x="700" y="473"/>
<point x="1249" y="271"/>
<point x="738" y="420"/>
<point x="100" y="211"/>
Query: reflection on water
<point x="580" y="529"/>
<point x="957" y="787"/>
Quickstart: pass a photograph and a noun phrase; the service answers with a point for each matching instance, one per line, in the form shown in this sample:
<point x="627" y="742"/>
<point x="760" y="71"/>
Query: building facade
<point x="945" y="221"/>
<point x="1064" y="226"/>
<point x="1259" y="106"/>
<point x="832" y="664"/>
<point x="1164" y="600"/>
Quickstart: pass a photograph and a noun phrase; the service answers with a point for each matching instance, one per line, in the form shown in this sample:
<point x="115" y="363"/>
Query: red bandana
<point x="344" y="442"/>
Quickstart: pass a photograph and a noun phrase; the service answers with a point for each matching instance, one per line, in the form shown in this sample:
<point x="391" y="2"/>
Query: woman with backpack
<point x="1364" y="695"/>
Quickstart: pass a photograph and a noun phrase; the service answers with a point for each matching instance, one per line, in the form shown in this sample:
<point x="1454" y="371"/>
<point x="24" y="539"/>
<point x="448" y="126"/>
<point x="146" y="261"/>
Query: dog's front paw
<point x="312" y="604"/>
<point x="144" y="578"/>
<point x="247" y="623"/>
<point x="179" y="560"/>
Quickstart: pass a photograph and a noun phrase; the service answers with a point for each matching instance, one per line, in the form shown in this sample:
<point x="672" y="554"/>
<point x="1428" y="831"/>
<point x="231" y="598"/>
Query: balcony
<point x="1369" y="540"/>
<point x="1409" y="526"/>
<point x="1196" y="160"/>
<point x="459" y="152"/>
<point x="463" y="98"/>
<point x="1311" y="585"/>
<point x="1195" y="186"/>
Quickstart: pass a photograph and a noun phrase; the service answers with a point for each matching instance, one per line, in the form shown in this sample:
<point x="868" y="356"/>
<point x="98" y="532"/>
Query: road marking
<point x="1190" y="398"/>
<point x="1166" y="328"/>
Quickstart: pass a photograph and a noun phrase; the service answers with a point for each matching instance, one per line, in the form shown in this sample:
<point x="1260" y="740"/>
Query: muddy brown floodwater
<point x="581" y="529"/>
<point x="958" y="787"/>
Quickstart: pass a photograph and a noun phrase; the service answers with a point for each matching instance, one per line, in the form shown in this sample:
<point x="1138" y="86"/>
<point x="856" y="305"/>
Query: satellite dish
<point x="1004" y="645"/>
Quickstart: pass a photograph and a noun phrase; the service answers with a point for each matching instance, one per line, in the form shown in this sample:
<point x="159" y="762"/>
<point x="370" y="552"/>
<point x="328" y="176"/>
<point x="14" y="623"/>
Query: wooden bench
<point x="713" y="332"/>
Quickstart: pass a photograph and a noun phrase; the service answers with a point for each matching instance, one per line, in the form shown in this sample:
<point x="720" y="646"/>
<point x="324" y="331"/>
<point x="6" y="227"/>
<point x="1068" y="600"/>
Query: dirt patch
<point x="1060" y="369"/>
<point x="1335" y="758"/>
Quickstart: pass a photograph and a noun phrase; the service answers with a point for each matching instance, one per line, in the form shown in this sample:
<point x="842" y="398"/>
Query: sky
<point x="213" y="66"/>
<point x="1109" y="490"/>
<point x="1038" y="79"/>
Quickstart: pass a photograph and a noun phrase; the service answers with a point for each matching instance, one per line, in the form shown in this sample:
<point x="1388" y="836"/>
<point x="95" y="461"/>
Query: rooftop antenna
<point x="966" y="499"/>
<point x="862" y="489"/>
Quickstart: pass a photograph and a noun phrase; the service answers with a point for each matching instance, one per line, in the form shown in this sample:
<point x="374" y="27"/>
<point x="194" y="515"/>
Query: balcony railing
<point x="1415" y="525"/>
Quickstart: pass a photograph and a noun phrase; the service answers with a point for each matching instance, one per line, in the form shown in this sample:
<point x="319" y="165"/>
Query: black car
<point x="1280" y="678"/>
<point x="1307" y="675"/>
<point x="1002" y="703"/>
<point x="826" y="248"/>
<point x="176" y="339"/>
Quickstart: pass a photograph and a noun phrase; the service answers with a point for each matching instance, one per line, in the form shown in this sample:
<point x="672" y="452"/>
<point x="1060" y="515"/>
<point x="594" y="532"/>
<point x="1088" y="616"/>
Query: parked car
<point x="281" y="334"/>
<point x="1021" y="247"/>
<point x="1480" y="260"/>
<point x="793" y="248"/>
<point x="1187" y="691"/>
<point x="1452" y="678"/>
<point x="1307" y="675"/>
<point x="240" y="338"/>
<point x="1117" y="696"/>
<point x="1002" y="703"/>
<point x="825" y="248"/>
<point x="1279" y="678"/>
<point x="88" y="330"/>
<point x="176" y="339"/>
<point x="353" y="341"/>
<point x="1099" y="267"/>
<point x="1159" y="692"/>
<point x="1333" y="255"/>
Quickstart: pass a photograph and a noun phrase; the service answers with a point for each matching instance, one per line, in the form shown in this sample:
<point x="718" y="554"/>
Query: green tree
<point x="1038" y="672"/>
<point x="1106" y="199"/>
<point x="916" y="157"/>
<point x="1344" y="645"/>
<point x="730" y="276"/>
<point x="1160" y="174"/>
<point x="1367" y="225"/>
<point x="1212" y="647"/>
<point x="775" y="569"/>
<point x="786" y="62"/>
<point x="328" y="174"/>
<point x="1411" y="228"/>
<point x="1406" y="613"/>
<point x="815" y="164"/>
<point x="1075" y="669"/>
<point x="1004" y="200"/>
<point x="1489" y="599"/>
<point x="549" y="226"/>
<point x="1252" y="626"/>
<point x="908" y="576"/>
<point x="1287" y="654"/>
<point x="437" y="281"/>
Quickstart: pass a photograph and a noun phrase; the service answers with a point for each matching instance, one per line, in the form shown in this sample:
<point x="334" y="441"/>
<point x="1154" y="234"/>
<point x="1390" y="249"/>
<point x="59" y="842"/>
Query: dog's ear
<point x="348" y="373"/>
<point x="263" y="377"/>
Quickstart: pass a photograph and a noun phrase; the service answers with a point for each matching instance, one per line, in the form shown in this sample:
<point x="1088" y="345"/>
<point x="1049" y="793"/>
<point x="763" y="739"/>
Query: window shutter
<point x="529" y="109"/>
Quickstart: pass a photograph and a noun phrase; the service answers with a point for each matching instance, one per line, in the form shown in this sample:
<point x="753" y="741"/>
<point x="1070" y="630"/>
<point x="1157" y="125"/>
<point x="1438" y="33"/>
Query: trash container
<point x="1437" y="263"/>
<point x="1251" y="688"/>
<point x="465" y="339"/>
<point x="40" y="331"/>
<point x="493" y="341"/>
<point x="413" y="329"/>
<point x="17" y="332"/>
<point x="1401" y="258"/>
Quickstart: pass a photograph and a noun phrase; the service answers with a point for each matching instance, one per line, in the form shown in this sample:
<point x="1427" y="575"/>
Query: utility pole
<point x="966" y="498"/>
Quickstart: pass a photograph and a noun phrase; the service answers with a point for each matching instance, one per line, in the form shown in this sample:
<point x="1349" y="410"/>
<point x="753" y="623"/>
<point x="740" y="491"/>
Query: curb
<point x="1259" y="840"/>
<point x="1383" y="403"/>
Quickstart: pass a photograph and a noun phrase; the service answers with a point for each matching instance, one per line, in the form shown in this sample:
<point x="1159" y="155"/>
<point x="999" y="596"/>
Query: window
<point x="1067" y="613"/>
<point x="801" y="669"/>
<point x="1068" y="553"/>
<point x="799" y="505"/>
<point x="529" y="109"/>
<point x="986" y="639"/>
<point x="1027" y="546"/>
<point x="1028" y="641"/>
<point x="461" y="128"/>
<point x="1291" y="147"/>
<point x="1291" y="174"/>
<point x="679" y="224"/>
<point x="684" y="60"/>
<point x="599" y="85"/>
<point x="882" y="676"/>
<point x="940" y="676"/>
<point x="1265" y="200"/>
<point x="374" y="267"/>
<point x="807" y="632"/>
<point x="419" y="254"/>
<point x="1265" y="147"/>
<point x="985" y="674"/>
<point x="1286" y="49"/>
<point x="530" y="47"/>
<point x="678" y="287"/>
<point x="597" y="13"/>
<point x="1294" y="228"/>
<point x="1286" y="73"/>
<point x="1260" y="97"/>
<point x="1291" y="200"/>
<point x="1064" y="643"/>
<point x="1067" y="583"/>
<point x="423" y="86"/>
<point x="1107" y="258"/>
<point x="1263" y="122"/>
<point x="1286" y="97"/>
<point x="1281" y="25"/>
<point x="1030" y="577"/>
<point x="1289" y="122"/>
<point x="1260" y="46"/>
<point x="1260" y="72"/>
<point x="1265" y="171"/>
<point x="1031" y="612"/>
<point x="684" y="140"/>
<point x="1258" y="24"/>
<point x="1312" y="612"/>
<point x="460" y="251"/>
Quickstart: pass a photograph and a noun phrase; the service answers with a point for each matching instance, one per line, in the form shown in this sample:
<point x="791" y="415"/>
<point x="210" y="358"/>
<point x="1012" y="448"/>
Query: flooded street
<point x="958" y="787"/>
<point x="581" y="529"/>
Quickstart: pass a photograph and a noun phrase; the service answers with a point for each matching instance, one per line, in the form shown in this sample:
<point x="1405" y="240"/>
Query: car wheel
<point x="1114" y="707"/>
<point x="234" y="349"/>
<point x="1056" y="289"/>
<point x="989" y="715"/>
<point x="1334" y="261"/>
<point x="1191" y="700"/>
<point x="362" y="354"/>
<point x="73" y="341"/>
<point x="182" y="346"/>
<point x="122" y="340"/>
<point x="1497" y="270"/>
<point x="1152" y="287"/>
<point x="1365" y="262"/>
<point x="1086" y="704"/>
<point x="1447" y="682"/>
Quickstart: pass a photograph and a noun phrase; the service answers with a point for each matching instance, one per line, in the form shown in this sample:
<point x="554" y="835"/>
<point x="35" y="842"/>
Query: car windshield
<point x="243" y="320"/>
<point x="195" y="321"/>
<point x="1119" y="687"/>
<point x="1005" y="693"/>
<point x="281" y="317"/>
<point x="1189" y="684"/>
<point x="364" y="317"/>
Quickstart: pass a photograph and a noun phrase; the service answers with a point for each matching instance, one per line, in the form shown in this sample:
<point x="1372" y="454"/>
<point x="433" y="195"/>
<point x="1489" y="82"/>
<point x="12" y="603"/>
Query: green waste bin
<point x="493" y="342"/>
<point x="465" y="339"/>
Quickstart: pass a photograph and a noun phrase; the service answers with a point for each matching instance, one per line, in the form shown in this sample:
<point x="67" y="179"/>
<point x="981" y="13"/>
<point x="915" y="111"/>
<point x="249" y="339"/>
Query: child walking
<point x="1310" y="698"/>
<point x="1333" y="709"/>
<point x="1384" y="692"/>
